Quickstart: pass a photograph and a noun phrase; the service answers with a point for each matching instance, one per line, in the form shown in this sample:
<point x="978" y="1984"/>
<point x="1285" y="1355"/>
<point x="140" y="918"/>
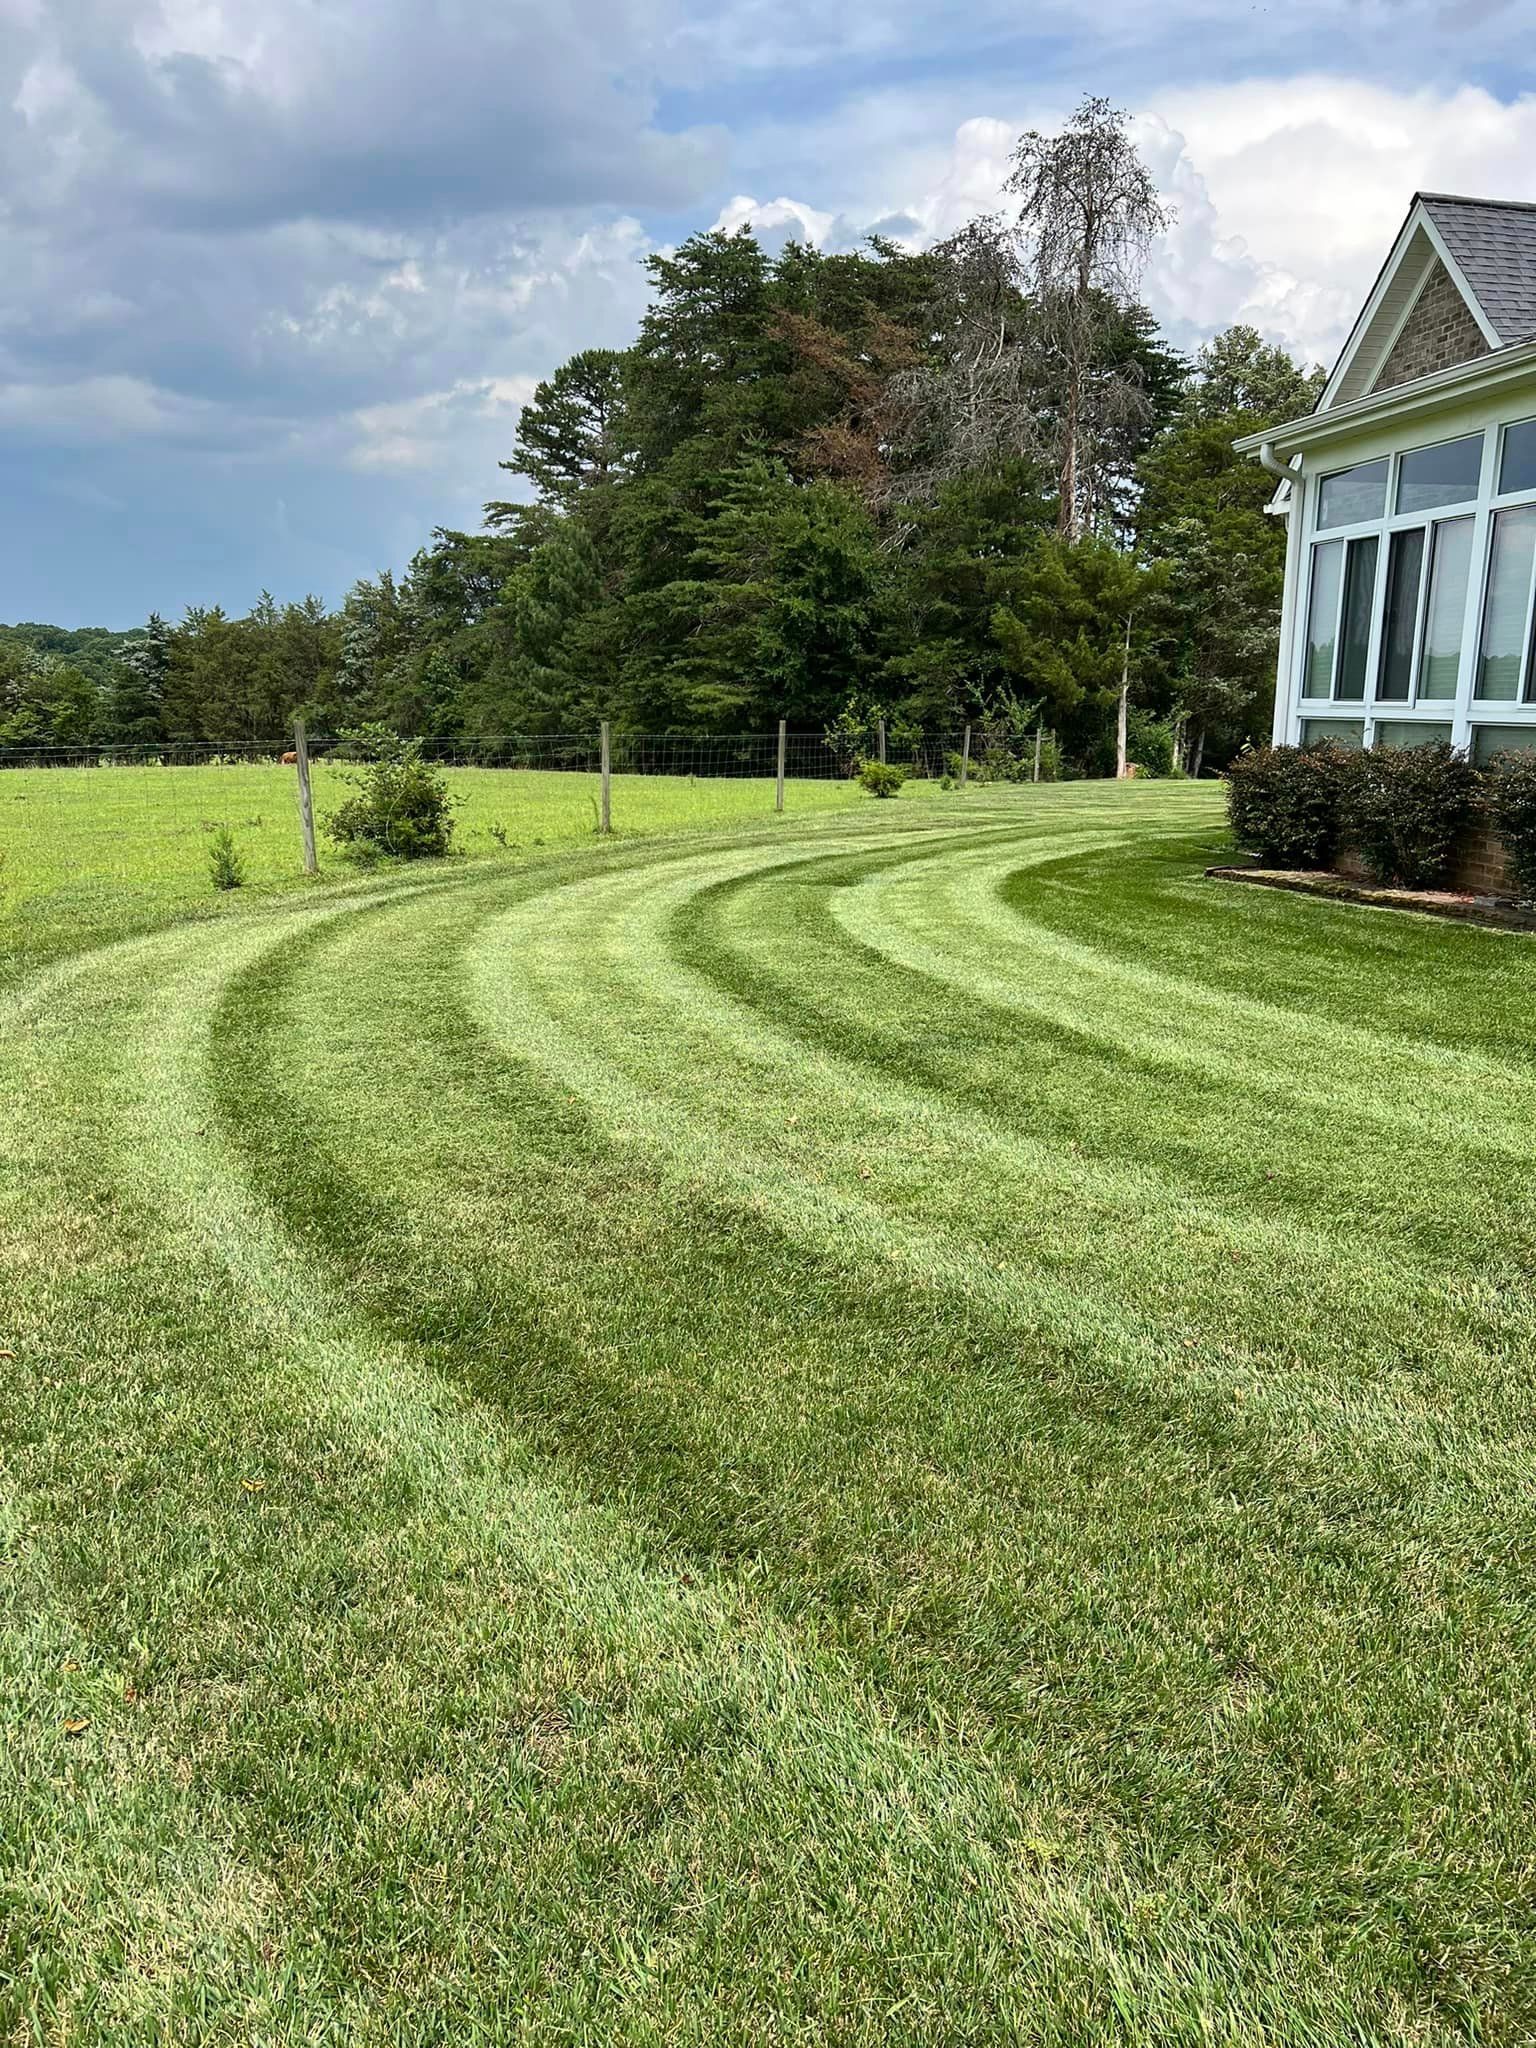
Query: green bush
<point x="401" y="809"/>
<point x="1511" y="787"/>
<point x="881" y="778"/>
<point x="1406" y="808"/>
<point x="225" y="866"/>
<point x="1285" y="803"/>
<point x="1149" y="742"/>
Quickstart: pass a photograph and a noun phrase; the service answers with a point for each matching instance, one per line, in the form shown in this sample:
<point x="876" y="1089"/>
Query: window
<point x="1405" y="569"/>
<point x="1323" y="618"/>
<point x="1421" y="637"/>
<point x="1446" y="474"/>
<point x="1355" y="631"/>
<point x="1450" y="562"/>
<point x="1341" y="732"/>
<point x="1398" y="734"/>
<point x="1488" y="740"/>
<point x="1501" y="658"/>
<point x="1339" y="617"/>
<point x="1517" y="465"/>
<point x="1351" y="496"/>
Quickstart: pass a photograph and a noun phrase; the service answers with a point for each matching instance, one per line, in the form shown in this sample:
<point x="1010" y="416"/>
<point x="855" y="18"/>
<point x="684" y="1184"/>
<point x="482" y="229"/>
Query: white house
<point x="1410" y="496"/>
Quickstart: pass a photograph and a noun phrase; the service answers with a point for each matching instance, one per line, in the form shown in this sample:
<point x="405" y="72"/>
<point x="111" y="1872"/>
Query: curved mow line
<point x="601" y="1567"/>
<point x="1232" y="1027"/>
<point x="647" y="1105"/>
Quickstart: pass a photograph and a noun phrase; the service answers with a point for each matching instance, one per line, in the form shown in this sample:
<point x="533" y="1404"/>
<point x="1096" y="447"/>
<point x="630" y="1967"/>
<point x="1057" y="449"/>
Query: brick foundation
<point x="1480" y="866"/>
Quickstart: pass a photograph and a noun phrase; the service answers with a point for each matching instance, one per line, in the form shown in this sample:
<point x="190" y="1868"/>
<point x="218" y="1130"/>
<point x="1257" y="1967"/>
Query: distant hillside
<point x="88" y="648"/>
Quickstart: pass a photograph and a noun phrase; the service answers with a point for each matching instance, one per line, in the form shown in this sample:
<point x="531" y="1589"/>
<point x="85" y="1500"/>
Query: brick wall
<point x="1480" y="866"/>
<point x="1440" y="331"/>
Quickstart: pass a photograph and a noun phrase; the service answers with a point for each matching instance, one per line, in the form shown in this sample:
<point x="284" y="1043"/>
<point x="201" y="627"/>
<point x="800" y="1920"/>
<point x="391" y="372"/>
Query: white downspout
<point x="1291" y="473"/>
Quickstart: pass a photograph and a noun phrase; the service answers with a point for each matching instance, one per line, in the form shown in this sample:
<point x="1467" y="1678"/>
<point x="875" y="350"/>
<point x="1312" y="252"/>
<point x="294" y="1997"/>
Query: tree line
<point x="968" y="484"/>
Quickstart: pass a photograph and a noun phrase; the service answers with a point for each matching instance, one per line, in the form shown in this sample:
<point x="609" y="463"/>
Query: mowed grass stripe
<point x="412" y="1740"/>
<point x="1013" y="1699"/>
<point x="831" y="1143"/>
<point x="754" y="1417"/>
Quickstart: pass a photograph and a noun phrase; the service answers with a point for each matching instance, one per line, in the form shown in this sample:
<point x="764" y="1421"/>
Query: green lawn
<point x="106" y="848"/>
<point x="911" y="1427"/>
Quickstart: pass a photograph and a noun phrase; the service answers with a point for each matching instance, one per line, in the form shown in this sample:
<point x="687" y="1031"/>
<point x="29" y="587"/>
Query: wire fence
<point x="808" y="756"/>
<point x="75" y="821"/>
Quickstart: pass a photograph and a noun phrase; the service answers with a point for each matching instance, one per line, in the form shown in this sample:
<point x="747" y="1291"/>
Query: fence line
<point x="147" y="817"/>
<point x="804" y="754"/>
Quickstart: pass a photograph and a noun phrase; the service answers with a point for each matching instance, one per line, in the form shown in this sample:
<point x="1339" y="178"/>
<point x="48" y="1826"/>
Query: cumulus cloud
<point x="326" y="250"/>
<point x="774" y="221"/>
<point x="1286" y="197"/>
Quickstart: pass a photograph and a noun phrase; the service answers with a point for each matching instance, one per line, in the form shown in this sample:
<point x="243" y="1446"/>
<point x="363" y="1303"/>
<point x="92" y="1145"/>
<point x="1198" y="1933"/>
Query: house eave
<point x="1484" y="375"/>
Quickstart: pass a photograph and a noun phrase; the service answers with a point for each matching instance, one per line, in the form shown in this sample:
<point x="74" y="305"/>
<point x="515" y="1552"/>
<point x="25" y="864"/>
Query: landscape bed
<point x="906" y="1427"/>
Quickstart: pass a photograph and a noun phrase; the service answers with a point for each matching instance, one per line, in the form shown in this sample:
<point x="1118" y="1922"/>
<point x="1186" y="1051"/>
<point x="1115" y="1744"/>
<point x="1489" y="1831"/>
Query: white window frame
<point x="1464" y="712"/>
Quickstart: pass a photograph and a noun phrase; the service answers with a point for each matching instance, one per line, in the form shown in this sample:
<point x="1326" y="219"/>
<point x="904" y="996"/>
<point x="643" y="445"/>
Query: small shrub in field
<point x="1285" y="803"/>
<point x="881" y="778"/>
<point x="225" y="866"/>
<point x="401" y="809"/>
<point x="1511" y="787"/>
<point x="1406" y="809"/>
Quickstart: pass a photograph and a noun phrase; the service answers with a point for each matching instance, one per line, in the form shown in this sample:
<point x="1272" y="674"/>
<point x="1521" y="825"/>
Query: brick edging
<point x="1481" y="910"/>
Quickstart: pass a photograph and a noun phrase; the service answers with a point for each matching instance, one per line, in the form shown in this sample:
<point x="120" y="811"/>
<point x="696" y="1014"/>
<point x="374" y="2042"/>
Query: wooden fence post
<point x="778" y="800"/>
<point x="306" y="798"/>
<point x="965" y="757"/>
<point x="606" y="825"/>
<point x="1036" y="776"/>
<point x="881" y="740"/>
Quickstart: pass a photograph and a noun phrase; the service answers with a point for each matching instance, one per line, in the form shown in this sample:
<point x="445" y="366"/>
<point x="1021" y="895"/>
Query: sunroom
<point x="1410" y="497"/>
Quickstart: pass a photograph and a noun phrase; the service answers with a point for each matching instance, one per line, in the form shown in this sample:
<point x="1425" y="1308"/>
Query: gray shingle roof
<point x="1494" y="242"/>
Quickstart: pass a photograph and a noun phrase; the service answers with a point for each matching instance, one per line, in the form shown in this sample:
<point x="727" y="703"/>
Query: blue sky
<point x="274" y="281"/>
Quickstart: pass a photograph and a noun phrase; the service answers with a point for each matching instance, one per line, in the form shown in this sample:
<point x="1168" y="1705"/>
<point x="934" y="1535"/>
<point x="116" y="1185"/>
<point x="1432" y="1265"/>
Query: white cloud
<point x="769" y="220"/>
<point x="429" y="430"/>
<point x="1287" y="192"/>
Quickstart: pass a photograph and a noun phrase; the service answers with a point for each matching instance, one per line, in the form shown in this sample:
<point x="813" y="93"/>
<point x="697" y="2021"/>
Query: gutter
<point x="1288" y="472"/>
<point x="1442" y="387"/>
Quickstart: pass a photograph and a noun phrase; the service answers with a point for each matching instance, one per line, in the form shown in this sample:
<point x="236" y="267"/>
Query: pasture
<point x="911" y="1426"/>
<point x="100" y="846"/>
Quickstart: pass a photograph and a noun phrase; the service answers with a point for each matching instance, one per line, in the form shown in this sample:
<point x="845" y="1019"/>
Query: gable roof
<point x="1493" y="244"/>
<point x="1420" y="250"/>
<point x="1486" y="250"/>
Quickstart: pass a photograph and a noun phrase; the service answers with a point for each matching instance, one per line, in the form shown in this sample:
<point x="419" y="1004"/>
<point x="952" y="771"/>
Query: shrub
<point x="1511" y="789"/>
<point x="401" y="809"/>
<point x="1285" y="803"/>
<point x="1406" y="809"/>
<point x="1149" y="742"/>
<point x="881" y="778"/>
<point x="225" y="866"/>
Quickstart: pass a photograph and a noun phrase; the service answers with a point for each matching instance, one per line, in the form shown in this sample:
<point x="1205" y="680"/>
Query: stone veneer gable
<point x="1439" y="332"/>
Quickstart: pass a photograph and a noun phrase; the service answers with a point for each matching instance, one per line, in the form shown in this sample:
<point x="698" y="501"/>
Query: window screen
<point x="1342" y="732"/>
<point x="1350" y="496"/>
<point x="1517" y="465"/>
<point x="1450" y="561"/>
<point x="1488" y="740"/>
<point x="1445" y="474"/>
<point x="1323" y="618"/>
<point x="1501" y="657"/>
<point x="1355" y="626"/>
<point x="1405" y="566"/>
<point x="1397" y="734"/>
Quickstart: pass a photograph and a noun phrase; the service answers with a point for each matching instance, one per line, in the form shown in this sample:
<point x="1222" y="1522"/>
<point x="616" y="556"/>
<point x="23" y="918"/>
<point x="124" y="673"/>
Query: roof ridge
<point x="1470" y="199"/>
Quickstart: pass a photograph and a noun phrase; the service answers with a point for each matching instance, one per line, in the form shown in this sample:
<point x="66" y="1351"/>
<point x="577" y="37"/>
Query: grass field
<point x="913" y="1428"/>
<point x="97" y="848"/>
